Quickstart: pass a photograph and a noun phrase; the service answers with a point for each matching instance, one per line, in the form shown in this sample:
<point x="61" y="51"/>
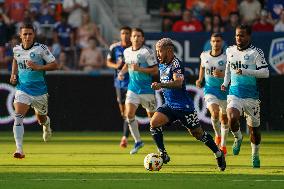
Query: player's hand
<point x="134" y="67"/>
<point x="198" y="83"/>
<point x="13" y="79"/>
<point x="156" y="86"/>
<point x="218" y="73"/>
<point x="33" y="65"/>
<point x="120" y="76"/>
<point x="223" y="88"/>
<point x="239" y="72"/>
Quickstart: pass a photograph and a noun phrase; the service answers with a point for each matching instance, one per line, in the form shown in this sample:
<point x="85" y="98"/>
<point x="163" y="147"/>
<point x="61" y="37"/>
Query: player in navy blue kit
<point x="115" y="60"/>
<point x="178" y="105"/>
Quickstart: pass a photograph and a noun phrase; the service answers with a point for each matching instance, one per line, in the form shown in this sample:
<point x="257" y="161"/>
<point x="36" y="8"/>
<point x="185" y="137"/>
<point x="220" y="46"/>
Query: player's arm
<point x="14" y="73"/>
<point x="175" y="84"/>
<point x="153" y="70"/>
<point x="48" y="67"/>
<point x="114" y="65"/>
<point x="227" y="77"/>
<point x="200" y="77"/>
<point x="123" y="71"/>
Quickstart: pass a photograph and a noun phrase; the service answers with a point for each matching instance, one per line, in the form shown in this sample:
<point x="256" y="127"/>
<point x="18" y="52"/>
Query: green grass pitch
<point x="94" y="160"/>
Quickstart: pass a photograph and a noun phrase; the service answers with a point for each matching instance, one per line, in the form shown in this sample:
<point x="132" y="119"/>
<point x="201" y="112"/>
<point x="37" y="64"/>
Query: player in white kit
<point x="31" y="60"/>
<point x="212" y="67"/>
<point x="245" y="63"/>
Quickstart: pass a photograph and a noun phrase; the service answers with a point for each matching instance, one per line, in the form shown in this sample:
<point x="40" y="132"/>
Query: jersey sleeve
<point x="47" y="56"/>
<point x="110" y="54"/>
<point x="151" y="58"/>
<point x="202" y="60"/>
<point x="260" y="60"/>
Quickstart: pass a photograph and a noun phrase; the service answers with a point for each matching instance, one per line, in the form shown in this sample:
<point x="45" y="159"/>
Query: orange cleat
<point x="224" y="150"/>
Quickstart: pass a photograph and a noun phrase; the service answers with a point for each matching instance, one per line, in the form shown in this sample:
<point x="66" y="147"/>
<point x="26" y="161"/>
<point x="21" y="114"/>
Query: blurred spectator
<point x="263" y="25"/>
<point x="62" y="61"/>
<point x="224" y="8"/>
<point x="91" y="58"/>
<point x="249" y="11"/>
<point x="207" y="23"/>
<point x="88" y="29"/>
<point x="63" y="35"/>
<point x="217" y="24"/>
<point x="279" y="27"/>
<point x="30" y="17"/>
<point x="75" y="8"/>
<point x="233" y="22"/>
<point x="15" y="9"/>
<point x="47" y="12"/>
<point x="199" y="7"/>
<point x="275" y="7"/>
<point x="7" y="59"/>
<point x="171" y="11"/>
<point x="187" y="24"/>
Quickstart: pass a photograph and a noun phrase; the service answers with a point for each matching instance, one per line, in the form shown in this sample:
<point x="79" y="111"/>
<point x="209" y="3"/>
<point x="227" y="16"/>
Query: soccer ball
<point x="153" y="162"/>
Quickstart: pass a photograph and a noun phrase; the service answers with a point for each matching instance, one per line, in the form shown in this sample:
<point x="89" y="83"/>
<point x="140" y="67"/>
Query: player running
<point x="213" y="64"/>
<point x="115" y="60"/>
<point x="141" y="64"/>
<point x="178" y="105"/>
<point x="31" y="60"/>
<point x="245" y="63"/>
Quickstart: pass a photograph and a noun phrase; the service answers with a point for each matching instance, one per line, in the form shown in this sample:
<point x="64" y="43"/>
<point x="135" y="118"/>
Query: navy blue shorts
<point x="188" y="119"/>
<point x="120" y="95"/>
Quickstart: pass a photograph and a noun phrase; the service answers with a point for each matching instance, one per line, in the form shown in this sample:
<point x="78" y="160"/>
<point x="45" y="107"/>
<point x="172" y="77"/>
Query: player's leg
<point x="131" y="105"/>
<point x="191" y="122"/>
<point x="121" y="97"/>
<point x="160" y="118"/>
<point x="252" y="110"/>
<point x="21" y="104"/>
<point x="224" y="125"/>
<point x="234" y="110"/>
<point x="40" y="105"/>
<point x="214" y="112"/>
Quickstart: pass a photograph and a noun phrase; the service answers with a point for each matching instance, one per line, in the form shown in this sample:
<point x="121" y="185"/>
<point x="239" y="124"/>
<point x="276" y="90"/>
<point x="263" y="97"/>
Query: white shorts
<point x="212" y="99"/>
<point x="250" y="107"/>
<point x="148" y="101"/>
<point x="38" y="103"/>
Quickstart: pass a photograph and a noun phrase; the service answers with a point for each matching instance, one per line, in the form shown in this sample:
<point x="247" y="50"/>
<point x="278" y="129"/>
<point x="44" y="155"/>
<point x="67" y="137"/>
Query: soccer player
<point x="178" y="105"/>
<point x="245" y="63"/>
<point x="141" y="64"/>
<point x="213" y="64"/>
<point x="115" y="60"/>
<point x="31" y="60"/>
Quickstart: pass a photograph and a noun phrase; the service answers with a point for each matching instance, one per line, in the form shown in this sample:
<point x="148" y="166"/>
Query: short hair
<point x="138" y="30"/>
<point x="125" y="28"/>
<point x="27" y="25"/>
<point x="245" y="27"/>
<point x="165" y="42"/>
<point x="216" y="34"/>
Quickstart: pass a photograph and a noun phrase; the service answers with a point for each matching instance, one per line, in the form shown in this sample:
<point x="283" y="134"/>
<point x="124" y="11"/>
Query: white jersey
<point x="140" y="83"/>
<point x="248" y="60"/>
<point x="30" y="81"/>
<point x="210" y="63"/>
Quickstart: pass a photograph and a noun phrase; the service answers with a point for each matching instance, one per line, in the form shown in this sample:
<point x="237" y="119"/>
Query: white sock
<point x="47" y="122"/>
<point x="255" y="149"/>
<point x="133" y="127"/>
<point x="237" y="134"/>
<point x="216" y="126"/>
<point x="18" y="130"/>
<point x="224" y="134"/>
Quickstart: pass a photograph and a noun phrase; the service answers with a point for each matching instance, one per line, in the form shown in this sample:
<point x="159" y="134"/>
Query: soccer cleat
<point x="237" y="146"/>
<point x="123" y="142"/>
<point x="19" y="154"/>
<point x="137" y="146"/>
<point x="255" y="161"/>
<point x="221" y="162"/>
<point x="217" y="140"/>
<point x="166" y="158"/>
<point x="47" y="133"/>
<point x="224" y="150"/>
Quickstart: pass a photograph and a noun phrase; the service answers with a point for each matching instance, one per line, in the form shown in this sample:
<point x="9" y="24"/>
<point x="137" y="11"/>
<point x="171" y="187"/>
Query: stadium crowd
<point x="66" y="27"/>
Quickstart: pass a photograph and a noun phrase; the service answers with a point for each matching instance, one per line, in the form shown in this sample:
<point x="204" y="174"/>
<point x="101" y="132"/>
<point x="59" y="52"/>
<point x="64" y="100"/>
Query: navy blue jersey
<point x="177" y="99"/>
<point x="116" y="54"/>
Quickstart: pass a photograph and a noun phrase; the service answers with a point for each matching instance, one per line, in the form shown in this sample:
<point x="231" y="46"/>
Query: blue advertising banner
<point x="190" y="45"/>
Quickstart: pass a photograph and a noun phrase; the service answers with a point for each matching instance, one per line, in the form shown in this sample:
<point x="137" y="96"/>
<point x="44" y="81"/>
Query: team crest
<point x="276" y="55"/>
<point x="32" y="54"/>
<point x="221" y="63"/>
<point x="246" y="57"/>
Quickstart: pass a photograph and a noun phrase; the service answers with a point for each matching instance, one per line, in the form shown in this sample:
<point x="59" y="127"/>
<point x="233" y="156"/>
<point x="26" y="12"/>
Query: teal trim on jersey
<point x="244" y="86"/>
<point x="213" y="81"/>
<point x="140" y="83"/>
<point x="216" y="91"/>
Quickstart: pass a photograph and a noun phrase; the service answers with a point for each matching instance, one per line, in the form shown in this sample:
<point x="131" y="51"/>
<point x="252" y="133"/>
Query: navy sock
<point x="157" y="134"/>
<point x="207" y="139"/>
<point x="125" y="129"/>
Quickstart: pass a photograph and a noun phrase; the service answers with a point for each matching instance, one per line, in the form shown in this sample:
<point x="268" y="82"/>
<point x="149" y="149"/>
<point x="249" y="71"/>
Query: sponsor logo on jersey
<point x="238" y="65"/>
<point x="276" y="55"/>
